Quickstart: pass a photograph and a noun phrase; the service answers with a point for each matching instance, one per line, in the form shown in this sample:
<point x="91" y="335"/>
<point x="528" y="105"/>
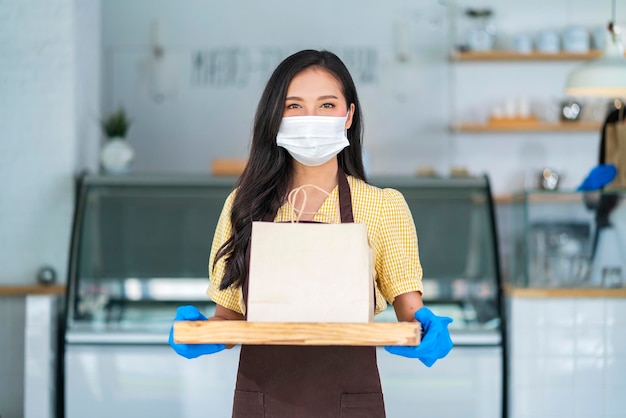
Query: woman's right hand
<point x="191" y="313"/>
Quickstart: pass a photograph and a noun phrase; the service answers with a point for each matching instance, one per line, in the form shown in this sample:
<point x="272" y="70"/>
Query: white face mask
<point x="313" y="140"/>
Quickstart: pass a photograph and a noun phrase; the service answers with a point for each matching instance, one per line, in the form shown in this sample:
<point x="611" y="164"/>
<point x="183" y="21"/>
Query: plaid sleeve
<point x="396" y="250"/>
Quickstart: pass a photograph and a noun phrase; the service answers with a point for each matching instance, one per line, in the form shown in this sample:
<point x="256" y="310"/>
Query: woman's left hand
<point x="436" y="342"/>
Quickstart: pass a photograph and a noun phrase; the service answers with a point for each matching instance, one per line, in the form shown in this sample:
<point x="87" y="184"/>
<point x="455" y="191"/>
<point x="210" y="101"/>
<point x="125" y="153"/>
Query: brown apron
<point x="309" y="381"/>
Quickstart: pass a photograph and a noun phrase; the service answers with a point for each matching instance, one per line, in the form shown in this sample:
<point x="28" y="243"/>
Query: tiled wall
<point x="567" y="357"/>
<point x="40" y="355"/>
<point x="12" y="314"/>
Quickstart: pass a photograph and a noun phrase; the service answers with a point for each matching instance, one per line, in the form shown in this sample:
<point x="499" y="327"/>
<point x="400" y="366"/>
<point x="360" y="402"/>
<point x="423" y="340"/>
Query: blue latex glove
<point x="191" y="313"/>
<point x="436" y="342"/>
<point x="598" y="177"/>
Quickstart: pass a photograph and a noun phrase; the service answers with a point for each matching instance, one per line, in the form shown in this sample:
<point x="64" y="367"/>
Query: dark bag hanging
<point x="613" y="136"/>
<point x="613" y="146"/>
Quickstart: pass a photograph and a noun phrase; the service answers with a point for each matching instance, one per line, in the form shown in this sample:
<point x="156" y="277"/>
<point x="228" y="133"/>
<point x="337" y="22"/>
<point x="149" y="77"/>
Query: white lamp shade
<point x="604" y="77"/>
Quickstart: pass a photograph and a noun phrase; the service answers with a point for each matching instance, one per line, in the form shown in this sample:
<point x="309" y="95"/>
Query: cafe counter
<point x="566" y="305"/>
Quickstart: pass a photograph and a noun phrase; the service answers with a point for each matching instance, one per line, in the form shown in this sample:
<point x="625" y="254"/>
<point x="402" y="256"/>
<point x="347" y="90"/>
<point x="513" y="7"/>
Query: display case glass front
<point x="141" y="247"/>
<point x="569" y="239"/>
<point x="457" y="247"/>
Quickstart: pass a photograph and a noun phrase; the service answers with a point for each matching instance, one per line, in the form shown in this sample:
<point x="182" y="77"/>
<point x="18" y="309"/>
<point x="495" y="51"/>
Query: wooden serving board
<point x="297" y="333"/>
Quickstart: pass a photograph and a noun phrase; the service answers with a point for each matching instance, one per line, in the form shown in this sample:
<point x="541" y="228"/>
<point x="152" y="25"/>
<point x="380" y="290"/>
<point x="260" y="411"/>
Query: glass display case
<point x="140" y="247"/>
<point x="569" y="239"/>
<point x="457" y="247"/>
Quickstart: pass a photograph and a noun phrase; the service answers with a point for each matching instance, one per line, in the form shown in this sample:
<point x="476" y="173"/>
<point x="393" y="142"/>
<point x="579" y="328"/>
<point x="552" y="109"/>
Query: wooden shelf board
<point x="516" y="56"/>
<point x="505" y="199"/>
<point x="580" y="292"/>
<point x="229" y="167"/>
<point x="554" y="197"/>
<point x="528" y="127"/>
<point x="539" y="196"/>
<point x="297" y="333"/>
<point x="24" y="290"/>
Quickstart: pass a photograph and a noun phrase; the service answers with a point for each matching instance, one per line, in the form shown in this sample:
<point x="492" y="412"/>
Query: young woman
<point x="307" y="130"/>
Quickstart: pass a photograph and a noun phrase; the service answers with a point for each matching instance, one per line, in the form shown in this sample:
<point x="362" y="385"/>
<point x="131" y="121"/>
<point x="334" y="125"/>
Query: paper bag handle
<point x="297" y="214"/>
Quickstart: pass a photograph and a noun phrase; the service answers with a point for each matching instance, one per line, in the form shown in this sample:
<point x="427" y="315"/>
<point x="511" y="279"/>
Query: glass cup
<point x="612" y="277"/>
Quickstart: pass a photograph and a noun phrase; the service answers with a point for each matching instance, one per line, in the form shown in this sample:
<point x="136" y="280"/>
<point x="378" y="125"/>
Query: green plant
<point x="116" y="124"/>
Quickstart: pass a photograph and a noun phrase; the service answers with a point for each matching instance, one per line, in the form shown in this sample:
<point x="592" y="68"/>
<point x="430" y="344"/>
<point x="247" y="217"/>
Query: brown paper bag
<point x="310" y="272"/>
<point x="615" y="153"/>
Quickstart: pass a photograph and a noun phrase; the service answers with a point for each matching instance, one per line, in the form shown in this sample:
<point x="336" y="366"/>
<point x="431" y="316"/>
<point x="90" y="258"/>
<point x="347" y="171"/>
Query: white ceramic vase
<point x="116" y="156"/>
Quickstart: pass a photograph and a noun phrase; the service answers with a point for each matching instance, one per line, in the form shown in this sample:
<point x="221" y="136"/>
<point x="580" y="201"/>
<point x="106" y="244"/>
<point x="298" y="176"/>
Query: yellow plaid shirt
<point x="390" y="230"/>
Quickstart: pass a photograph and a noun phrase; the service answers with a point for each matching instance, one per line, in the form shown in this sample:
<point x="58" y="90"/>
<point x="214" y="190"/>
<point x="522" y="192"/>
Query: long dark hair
<point x="264" y="183"/>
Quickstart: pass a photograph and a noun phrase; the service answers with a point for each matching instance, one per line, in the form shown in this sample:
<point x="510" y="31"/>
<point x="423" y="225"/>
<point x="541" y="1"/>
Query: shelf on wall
<point x="555" y="196"/>
<point x="539" y="196"/>
<point x="505" y="199"/>
<point x="528" y="127"/>
<point x="34" y="289"/>
<point x="579" y="292"/>
<point x="516" y="56"/>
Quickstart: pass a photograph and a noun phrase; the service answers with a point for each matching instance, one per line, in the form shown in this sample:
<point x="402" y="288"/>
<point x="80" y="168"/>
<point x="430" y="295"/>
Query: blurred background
<point x="66" y="65"/>
<point x="463" y="101"/>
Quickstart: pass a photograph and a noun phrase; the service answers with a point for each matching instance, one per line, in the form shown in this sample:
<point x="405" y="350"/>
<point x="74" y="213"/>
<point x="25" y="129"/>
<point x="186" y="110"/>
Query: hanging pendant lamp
<point x="605" y="76"/>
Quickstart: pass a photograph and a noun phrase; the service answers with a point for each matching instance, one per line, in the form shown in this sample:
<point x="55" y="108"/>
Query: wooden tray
<point x="297" y="333"/>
